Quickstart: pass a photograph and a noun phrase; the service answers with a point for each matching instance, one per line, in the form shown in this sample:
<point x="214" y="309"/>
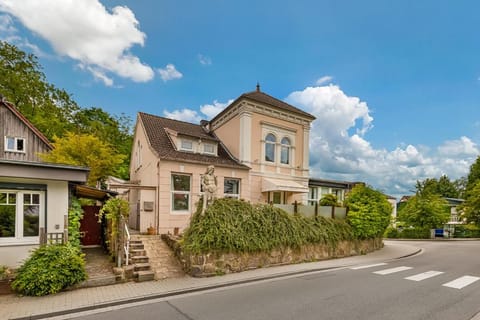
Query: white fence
<point x="309" y="211"/>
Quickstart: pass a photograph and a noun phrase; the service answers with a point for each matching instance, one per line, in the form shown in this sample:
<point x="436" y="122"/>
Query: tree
<point x="24" y="84"/>
<point x="85" y="150"/>
<point x="442" y="187"/>
<point x="369" y="212"/>
<point x="329" y="200"/>
<point x="473" y="176"/>
<point x="471" y="206"/>
<point x="425" y="211"/>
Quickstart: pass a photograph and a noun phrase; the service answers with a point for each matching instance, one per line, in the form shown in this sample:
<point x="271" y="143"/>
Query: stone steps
<point x="161" y="258"/>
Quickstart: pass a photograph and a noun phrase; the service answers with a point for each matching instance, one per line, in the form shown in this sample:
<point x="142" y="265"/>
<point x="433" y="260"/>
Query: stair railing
<point x="126" y="247"/>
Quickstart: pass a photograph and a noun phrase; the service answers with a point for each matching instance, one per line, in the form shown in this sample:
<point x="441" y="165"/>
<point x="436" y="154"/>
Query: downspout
<point x="157" y="191"/>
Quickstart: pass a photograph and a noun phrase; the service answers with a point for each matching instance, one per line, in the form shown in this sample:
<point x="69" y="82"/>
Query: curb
<point x="191" y="290"/>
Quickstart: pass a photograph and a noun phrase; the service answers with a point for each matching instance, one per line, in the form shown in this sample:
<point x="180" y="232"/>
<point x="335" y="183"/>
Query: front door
<point x="90" y="228"/>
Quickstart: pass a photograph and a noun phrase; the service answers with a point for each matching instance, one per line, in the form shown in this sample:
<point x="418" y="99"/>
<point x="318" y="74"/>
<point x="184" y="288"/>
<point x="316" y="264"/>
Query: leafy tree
<point x="425" y="211"/>
<point x="369" y="212"/>
<point x="24" y="84"/>
<point x="473" y="176"/>
<point x="471" y="206"/>
<point x="85" y="150"/>
<point x="442" y="187"/>
<point x="329" y="200"/>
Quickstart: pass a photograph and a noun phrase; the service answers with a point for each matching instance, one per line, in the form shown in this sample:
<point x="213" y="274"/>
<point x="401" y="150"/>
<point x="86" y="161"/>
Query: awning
<point x="83" y="191"/>
<point x="269" y="184"/>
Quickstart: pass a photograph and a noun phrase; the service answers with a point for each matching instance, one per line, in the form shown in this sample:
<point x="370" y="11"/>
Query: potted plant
<point x="151" y="230"/>
<point x="6" y="278"/>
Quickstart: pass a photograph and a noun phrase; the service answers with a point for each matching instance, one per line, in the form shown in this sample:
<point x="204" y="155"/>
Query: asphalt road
<point x="443" y="283"/>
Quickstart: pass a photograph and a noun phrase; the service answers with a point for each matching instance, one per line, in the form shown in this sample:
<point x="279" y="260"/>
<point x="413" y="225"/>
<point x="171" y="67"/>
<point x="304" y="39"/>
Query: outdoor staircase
<point x="153" y="254"/>
<point x="139" y="260"/>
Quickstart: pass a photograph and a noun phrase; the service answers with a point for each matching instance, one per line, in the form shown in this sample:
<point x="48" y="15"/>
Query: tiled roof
<point x="22" y="118"/>
<point x="155" y="129"/>
<point x="261" y="97"/>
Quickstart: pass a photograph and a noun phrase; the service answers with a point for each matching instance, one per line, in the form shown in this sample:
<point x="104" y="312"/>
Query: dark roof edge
<point x="238" y="165"/>
<point x="44" y="165"/>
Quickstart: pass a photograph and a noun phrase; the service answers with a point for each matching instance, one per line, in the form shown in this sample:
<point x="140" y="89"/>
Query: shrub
<point x="467" y="231"/>
<point x="75" y="215"/>
<point x="407" y="233"/>
<point x="230" y="225"/>
<point x="329" y="200"/>
<point x="50" y="269"/>
<point x="369" y="212"/>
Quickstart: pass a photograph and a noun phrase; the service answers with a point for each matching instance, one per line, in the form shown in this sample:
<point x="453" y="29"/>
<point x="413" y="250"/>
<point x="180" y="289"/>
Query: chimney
<point x="205" y="125"/>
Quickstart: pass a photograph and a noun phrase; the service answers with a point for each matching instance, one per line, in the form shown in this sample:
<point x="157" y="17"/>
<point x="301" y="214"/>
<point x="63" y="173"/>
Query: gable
<point x="19" y="139"/>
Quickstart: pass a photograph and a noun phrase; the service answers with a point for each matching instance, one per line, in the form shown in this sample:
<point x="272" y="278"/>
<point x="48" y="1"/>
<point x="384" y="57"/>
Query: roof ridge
<point x="156" y="116"/>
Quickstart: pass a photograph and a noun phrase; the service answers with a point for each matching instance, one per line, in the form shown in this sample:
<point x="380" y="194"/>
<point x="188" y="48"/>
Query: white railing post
<point x="126" y="247"/>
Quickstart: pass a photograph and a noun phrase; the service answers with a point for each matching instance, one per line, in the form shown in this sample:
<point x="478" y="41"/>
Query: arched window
<point x="270" y="147"/>
<point x="285" y="151"/>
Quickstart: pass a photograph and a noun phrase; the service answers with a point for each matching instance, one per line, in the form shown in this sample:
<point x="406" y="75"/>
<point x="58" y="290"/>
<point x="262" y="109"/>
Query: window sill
<point x="179" y="213"/>
<point x="10" y="242"/>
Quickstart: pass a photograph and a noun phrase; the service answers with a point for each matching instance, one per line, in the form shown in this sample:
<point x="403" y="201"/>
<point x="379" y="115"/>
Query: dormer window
<point x="186" y="145"/>
<point x="14" y="144"/>
<point x="208" y="148"/>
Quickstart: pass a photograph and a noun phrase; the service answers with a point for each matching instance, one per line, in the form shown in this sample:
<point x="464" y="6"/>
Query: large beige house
<point x="258" y="145"/>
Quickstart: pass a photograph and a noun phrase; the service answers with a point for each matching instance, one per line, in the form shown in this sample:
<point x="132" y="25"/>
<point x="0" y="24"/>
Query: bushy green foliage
<point x="230" y="225"/>
<point x="428" y="211"/>
<point x="407" y="233"/>
<point x="75" y="214"/>
<point x="329" y="200"/>
<point x="369" y="212"/>
<point x="50" y="269"/>
<point x="467" y="231"/>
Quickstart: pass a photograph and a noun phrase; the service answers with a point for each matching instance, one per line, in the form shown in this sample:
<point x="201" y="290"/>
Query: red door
<point x="90" y="228"/>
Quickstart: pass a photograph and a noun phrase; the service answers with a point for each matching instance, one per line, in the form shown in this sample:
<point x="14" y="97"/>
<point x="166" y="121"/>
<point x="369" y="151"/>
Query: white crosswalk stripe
<point x="424" y="275"/>
<point x="368" y="266"/>
<point x="461" y="282"/>
<point x="392" y="270"/>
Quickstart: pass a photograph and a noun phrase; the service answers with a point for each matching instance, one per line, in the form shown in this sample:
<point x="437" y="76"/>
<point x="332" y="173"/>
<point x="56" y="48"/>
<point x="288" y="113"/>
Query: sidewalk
<point x="14" y="307"/>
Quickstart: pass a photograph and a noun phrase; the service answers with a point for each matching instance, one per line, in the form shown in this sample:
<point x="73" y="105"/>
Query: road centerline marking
<point x="461" y="282"/>
<point x="424" y="275"/>
<point x="368" y="266"/>
<point x="392" y="270"/>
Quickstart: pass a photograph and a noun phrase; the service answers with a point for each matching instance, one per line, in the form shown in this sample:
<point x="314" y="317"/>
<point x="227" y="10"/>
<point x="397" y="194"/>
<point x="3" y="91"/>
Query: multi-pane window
<point x="312" y="196"/>
<point x="285" y="151"/>
<point x="270" y="141"/>
<point x="20" y="214"/>
<point x="186" y="144"/>
<point x="231" y="188"/>
<point x="181" y="192"/>
<point x="208" y="148"/>
<point x="14" y="144"/>
<point x="8" y="209"/>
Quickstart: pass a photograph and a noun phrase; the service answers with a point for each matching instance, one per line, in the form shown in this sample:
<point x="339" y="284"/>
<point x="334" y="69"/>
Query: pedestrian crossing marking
<point x="424" y="275"/>
<point x="461" y="282"/>
<point x="392" y="270"/>
<point x="368" y="266"/>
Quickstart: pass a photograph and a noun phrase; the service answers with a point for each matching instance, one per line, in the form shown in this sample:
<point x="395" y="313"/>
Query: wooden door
<point x="90" y="228"/>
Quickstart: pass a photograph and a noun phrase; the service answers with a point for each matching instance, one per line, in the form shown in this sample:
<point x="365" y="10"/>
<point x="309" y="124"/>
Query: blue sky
<point x="395" y="85"/>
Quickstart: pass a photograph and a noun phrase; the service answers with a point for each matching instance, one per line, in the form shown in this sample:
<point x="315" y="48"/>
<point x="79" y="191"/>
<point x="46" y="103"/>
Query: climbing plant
<point x="75" y="214"/>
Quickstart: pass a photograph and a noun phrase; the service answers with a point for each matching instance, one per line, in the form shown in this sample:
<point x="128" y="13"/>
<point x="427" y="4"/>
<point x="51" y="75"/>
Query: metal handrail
<point x="126" y="247"/>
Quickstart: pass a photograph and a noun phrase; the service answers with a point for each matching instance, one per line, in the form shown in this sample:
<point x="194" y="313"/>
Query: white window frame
<point x="288" y="148"/>
<point x="271" y="144"/>
<point x="312" y="196"/>
<point x="19" y="238"/>
<point x="180" y="192"/>
<point x="15" y="143"/>
<point x="209" y="145"/>
<point x="183" y="146"/>
<point x="232" y="195"/>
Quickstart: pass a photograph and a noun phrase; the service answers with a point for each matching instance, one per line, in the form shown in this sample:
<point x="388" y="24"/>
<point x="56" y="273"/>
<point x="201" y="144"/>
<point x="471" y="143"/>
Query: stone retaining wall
<point x="211" y="264"/>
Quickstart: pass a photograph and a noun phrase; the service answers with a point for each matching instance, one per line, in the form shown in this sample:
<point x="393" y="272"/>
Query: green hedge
<point x="466" y="231"/>
<point x="50" y="269"/>
<point x="407" y="233"/>
<point x="230" y="225"/>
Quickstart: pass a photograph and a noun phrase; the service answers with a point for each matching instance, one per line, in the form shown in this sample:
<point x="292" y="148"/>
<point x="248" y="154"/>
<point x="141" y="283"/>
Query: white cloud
<point x="339" y="150"/>
<point x="87" y="32"/>
<point x="211" y="110"/>
<point x="169" y="73"/>
<point x="324" y="80"/>
<point x="186" y="115"/>
<point x="204" y="60"/>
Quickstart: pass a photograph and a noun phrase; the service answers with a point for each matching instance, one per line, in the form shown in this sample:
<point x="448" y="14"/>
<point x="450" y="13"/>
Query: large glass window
<point x="312" y="196"/>
<point x="270" y="141"/>
<point x="285" y="151"/>
<point x="8" y="209"/>
<point x="180" y="192"/>
<point x="20" y="213"/>
<point x="231" y="188"/>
